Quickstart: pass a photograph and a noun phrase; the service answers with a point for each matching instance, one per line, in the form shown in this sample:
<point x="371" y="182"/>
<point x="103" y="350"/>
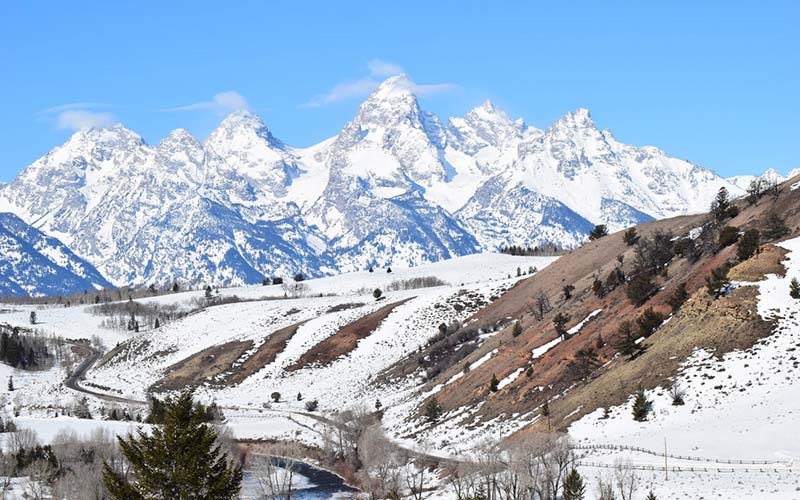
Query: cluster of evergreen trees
<point x="545" y="249"/>
<point x="24" y="351"/>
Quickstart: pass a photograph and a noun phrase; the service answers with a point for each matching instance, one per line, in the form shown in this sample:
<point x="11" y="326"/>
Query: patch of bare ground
<point x="203" y="366"/>
<point x="266" y="354"/>
<point x="766" y="261"/>
<point x="345" y="339"/>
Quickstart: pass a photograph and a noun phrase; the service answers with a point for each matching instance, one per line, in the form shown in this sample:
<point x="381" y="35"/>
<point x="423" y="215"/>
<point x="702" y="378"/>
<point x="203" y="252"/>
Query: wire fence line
<point x="708" y="470"/>
<point x="622" y="447"/>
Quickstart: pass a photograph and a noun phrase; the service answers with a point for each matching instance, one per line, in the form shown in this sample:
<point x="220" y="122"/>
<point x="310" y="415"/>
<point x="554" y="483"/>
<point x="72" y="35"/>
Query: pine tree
<point x="156" y="324"/>
<point x="721" y="205"/>
<point x="517" y="330"/>
<point x="794" y="289"/>
<point x="494" y="383"/>
<point x="33" y="317"/>
<point x="718" y="281"/>
<point x="180" y="460"/>
<point x="630" y="237"/>
<point x="641" y="406"/>
<point x="651" y="496"/>
<point x="598" y="232"/>
<point x="433" y="411"/>
<point x="10" y="383"/>
<point x="546" y="412"/>
<point x="574" y="488"/>
<point x="560" y="322"/>
<point x="678" y="298"/>
<point x="748" y="244"/>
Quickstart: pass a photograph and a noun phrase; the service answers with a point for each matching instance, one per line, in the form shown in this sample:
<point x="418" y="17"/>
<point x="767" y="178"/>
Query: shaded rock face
<point x="395" y="186"/>
<point x="32" y="263"/>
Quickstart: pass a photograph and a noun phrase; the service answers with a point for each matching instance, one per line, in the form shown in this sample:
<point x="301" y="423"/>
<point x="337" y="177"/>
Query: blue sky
<point x="713" y="82"/>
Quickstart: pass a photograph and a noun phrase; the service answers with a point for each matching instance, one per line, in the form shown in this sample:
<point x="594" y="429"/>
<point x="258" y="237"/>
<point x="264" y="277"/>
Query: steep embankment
<point x="583" y="370"/>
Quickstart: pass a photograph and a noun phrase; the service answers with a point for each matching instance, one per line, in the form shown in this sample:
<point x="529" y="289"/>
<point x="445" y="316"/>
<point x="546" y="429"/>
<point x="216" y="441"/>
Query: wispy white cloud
<point x="73" y="105"/>
<point x="222" y="103"/>
<point x="77" y="115"/>
<point x="378" y="69"/>
<point x="77" y="119"/>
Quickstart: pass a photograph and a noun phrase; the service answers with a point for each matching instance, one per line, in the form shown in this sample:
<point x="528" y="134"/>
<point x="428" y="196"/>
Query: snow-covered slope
<point x="32" y="263"/>
<point x="395" y="186"/>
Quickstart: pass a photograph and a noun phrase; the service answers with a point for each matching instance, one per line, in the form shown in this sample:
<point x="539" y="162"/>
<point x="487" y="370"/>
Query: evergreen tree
<point x="546" y="412"/>
<point x="560" y="322"/>
<point x="748" y="244"/>
<point x="574" y="489"/>
<point x="10" y="383"/>
<point x="378" y="405"/>
<point x="721" y="207"/>
<point x="33" y="317"/>
<point x="651" y="496"/>
<point x="774" y="226"/>
<point x="630" y="237"/>
<point x="598" y="232"/>
<point x="179" y="460"/>
<point x="794" y="289"/>
<point x="156" y="324"/>
<point x="678" y="297"/>
<point x="433" y="411"/>
<point x="648" y="321"/>
<point x="627" y="345"/>
<point x="640" y="288"/>
<point x="517" y="330"/>
<point x="567" y="290"/>
<point x="641" y="406"/>
<point x="718" y="281"/>
<point x="494" y="383"/>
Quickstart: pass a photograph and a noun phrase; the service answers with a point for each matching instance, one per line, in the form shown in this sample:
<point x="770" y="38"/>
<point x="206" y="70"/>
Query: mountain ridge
<point x="394" y="186"/>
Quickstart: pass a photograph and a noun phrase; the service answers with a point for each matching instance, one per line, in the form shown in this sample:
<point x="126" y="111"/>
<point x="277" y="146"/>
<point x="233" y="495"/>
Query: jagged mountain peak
<point x="180" y="136"/>
<point x="113" y="136"/>
<point x="240" y="128"/>
<point x="580" y="119"/>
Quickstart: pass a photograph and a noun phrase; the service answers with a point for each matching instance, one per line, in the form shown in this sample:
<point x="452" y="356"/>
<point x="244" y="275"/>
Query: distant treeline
<point x="544" y="250"/>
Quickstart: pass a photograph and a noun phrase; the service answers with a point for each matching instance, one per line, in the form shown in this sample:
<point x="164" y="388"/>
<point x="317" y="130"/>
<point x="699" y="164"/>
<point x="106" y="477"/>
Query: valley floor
<point x="742" y="407"/>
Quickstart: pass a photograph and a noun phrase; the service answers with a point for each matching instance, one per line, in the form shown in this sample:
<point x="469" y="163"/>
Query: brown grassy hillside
<point x="575" y="387"/>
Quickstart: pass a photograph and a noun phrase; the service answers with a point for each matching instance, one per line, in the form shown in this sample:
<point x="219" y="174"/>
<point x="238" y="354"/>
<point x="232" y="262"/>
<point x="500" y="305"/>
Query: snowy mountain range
<point x="396" y="186"/>
<point x="32" y="263"/>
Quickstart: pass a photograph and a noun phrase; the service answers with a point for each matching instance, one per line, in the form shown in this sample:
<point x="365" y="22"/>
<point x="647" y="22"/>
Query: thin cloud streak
<point x="223" y="102"/>
<point x="378" y="69"/>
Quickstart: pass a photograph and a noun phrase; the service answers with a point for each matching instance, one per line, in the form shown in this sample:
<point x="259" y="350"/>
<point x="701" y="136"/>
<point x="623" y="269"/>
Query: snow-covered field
<point x="345" y="382"/>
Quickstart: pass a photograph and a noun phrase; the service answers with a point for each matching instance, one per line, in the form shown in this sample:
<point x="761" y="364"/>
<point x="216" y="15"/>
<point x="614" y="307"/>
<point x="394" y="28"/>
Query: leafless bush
<point x="625" y="479"/>
<point x="380" y="469"/>
<point x="540" y="307"/>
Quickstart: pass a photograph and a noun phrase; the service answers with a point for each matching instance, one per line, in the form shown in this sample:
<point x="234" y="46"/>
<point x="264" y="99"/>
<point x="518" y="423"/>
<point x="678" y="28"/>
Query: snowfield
<point x="344" y="382"/>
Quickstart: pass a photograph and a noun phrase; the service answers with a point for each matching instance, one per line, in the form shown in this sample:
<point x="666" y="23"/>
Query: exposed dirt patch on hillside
<point x="203" y="366"/>
<point x="344" y="340"/>
<point x="266" y="354"/>
<point x="766" y="261"/>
